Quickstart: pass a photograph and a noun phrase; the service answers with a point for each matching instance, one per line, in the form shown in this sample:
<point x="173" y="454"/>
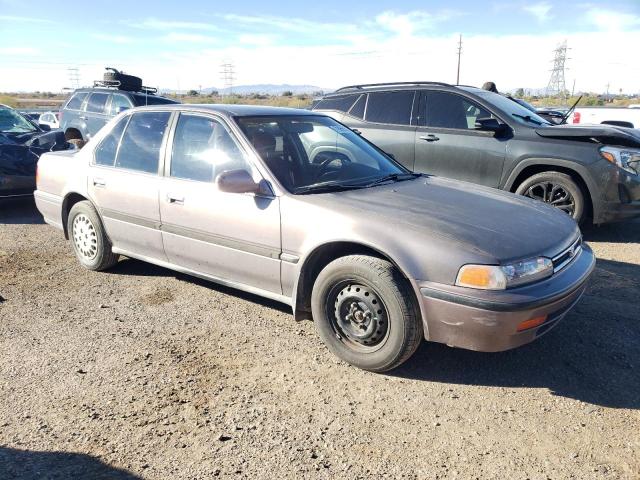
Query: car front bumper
<point x="488" y="321"/>
<point x="620" y="196"/>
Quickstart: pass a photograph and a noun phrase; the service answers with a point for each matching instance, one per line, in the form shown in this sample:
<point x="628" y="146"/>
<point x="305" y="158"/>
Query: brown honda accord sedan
<point x="296" y="207"/>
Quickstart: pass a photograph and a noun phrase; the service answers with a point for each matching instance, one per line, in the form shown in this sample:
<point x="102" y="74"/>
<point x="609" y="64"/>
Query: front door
<point x="124" y="182"/>
<point x="448" y="145"/>
<point x="230" y="236"/>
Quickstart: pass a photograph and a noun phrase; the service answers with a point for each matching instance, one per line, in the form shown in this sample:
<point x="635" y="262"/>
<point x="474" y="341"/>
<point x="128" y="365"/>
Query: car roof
<point x="385" y="87"/>
<point x="232" y="110"/>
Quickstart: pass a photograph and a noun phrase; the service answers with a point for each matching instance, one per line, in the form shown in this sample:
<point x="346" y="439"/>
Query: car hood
<point x="605" y="134"/>
<point x="53" y="140"/>
<point x="494" y="226"/>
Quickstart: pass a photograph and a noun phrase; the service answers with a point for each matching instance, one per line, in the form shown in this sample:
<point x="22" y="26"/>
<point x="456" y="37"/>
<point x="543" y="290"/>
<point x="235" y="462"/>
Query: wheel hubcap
<point x="359" y="315"/>
<point x="84" y="237"/>
<point x="553" y="194"/>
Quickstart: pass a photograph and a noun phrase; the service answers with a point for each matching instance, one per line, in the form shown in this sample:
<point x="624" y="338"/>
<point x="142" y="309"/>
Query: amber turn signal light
<point x="531" y="323"/>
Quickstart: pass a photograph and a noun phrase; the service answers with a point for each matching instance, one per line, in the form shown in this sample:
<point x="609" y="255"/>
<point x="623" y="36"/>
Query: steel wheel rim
<point x="553" y="194"/>
<point x="358" y="315"/>
<point x="85" y="237"/>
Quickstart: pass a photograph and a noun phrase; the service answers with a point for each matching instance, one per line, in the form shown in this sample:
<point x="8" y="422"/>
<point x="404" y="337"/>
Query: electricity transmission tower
<point x="557" y="84"/>
<point x="227" y="76"/>
<point x="74" y="77"/>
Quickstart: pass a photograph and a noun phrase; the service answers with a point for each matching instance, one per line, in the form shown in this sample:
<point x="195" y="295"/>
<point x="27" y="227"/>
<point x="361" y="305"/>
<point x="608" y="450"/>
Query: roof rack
<point x="388" y="84"/>
<point x="115" y="84"/>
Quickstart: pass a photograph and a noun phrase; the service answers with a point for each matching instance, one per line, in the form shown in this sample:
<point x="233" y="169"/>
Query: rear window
<point x="390" y="107"/>
<point x="358" y="109"/>
<point x="75" y="102"/>
<point x="342" y="103"/>
<point x="97" y="101"/>
<point x="142" y="100"/>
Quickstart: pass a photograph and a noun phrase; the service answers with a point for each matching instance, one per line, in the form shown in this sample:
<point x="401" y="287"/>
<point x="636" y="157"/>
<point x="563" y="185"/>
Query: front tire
<point x="557" y="189"/>
<point x="88" y="237"/>
<point x="364" y="311"/>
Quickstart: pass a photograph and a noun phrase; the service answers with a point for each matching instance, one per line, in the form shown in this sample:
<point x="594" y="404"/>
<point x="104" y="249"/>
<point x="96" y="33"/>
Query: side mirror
<point x="241" y="181"/>
<point x="44" y="127"/>
<point x="489" y="125"/>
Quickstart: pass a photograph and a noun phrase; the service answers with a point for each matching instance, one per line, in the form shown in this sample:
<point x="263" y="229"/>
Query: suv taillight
<point x="576" y="117"/>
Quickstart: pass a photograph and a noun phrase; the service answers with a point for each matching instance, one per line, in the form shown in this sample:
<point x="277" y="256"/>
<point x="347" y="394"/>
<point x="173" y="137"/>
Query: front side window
<point x="342" y="103"/>
<point x="390" y="107"/>
<point x="106" y="152"/>
<point x="97" y="101"/>
<point x="203" y="148"/>
<point x="75" y="102"/>
<point x="142" y="140"/>
<point x="358" y="108"/>
<point x="448" y="110"/>
<point x="305" y="152"/>
<point x="118" y="103"/>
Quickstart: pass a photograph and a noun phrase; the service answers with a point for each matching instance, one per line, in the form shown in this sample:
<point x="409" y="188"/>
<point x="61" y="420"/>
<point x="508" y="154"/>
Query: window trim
<point x="411" y="114"/>
<point x="168" y="156"/>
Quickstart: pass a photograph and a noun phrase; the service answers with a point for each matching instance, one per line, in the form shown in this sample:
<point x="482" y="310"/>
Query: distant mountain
<point x="265" y="88"/>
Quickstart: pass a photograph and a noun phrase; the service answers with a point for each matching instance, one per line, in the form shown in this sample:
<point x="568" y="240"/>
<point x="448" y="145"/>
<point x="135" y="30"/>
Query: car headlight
<point x="500" y="277"/>
<point x="626" y="158"/>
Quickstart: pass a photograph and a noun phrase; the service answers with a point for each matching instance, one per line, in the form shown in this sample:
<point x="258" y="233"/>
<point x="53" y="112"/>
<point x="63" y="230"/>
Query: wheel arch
<point x="72" y="133"/>
<point x="68" y="202"/>
<point x="324" y="254"/>
<point x="533" y="167"/>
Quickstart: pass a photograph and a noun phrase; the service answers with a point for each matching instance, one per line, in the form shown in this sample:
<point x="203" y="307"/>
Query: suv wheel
<point x="88" y="237"/>
<point x="557" y="189"/>
<point x="364" y="311"/>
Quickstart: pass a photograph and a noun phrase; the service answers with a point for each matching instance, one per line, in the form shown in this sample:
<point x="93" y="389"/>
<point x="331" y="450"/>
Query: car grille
<point x="565" y="257"/>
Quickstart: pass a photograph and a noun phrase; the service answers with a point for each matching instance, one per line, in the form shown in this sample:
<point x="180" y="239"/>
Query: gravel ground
<point x="144" y="373"/>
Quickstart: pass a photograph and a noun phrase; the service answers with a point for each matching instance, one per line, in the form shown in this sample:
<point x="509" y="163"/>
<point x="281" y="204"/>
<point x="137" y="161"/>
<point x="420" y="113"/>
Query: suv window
<point x="390" y="107"/>
<point x="203" y="148"/>
<point x="75" y="102"/>
<point x="106" y="151"/>
<point x="142" y="99"/>
<point x="358" y="108"/>
<point x="448" y="110"/>
<point x="141" y="142"/>
<point x="342" y="103"/>
<point x="118" y="101"/>
<point x="97" y="102"/>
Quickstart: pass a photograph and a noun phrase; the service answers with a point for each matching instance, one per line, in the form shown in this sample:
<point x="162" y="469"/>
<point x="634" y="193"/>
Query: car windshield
<point x="312" y="154"/>
<point x="514" y="109"/>
<point x="12" y="122"/>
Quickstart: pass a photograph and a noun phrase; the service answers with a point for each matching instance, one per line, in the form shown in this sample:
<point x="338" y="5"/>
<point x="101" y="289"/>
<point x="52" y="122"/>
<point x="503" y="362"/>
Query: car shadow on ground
<point x="623" y="232"/>
<point x="31" y="465"/>
<point x="17" y="211"/>
<point x="593" y="355"/>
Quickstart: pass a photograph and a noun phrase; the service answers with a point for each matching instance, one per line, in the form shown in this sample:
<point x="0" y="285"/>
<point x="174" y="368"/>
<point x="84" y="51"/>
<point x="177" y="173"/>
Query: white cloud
<point x="409" y="23"/>
<point x="119" y="39"/>
<point x="156" y="24"/>
<point x="256" y="39"/>
<point x="541" y="10"/>
<point x="609" y="20"/>
<point x="13" y="18"/>
<point x="189" y="38"/>
<point x="18" y="51"/>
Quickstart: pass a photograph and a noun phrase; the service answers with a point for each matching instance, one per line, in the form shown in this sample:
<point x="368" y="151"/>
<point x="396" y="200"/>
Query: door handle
<point x="82" y="117"/>
<point x="430" y="138"/>
<point x="99" y="182"/>
<point x="175" y="200"/>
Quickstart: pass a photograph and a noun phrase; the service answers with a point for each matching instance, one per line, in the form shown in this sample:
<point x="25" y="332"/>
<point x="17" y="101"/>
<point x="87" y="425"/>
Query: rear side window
<point x="448" y="110"/>
<point x="106" y="151"/>
<point x="142" y="100"/>
<point x="75" y="102"/>
<point x="203" y="148"/>
<point x="342" y="103"/>
<point x="141" y="142"/>
<point x="118" y="102"/>
<point x="97" y="101"/>
<point x="390" y="107"/>
<point x="358" y="108"/>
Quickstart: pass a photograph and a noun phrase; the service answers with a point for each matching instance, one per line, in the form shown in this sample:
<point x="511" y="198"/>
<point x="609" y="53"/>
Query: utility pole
<point x="459" y="54"/>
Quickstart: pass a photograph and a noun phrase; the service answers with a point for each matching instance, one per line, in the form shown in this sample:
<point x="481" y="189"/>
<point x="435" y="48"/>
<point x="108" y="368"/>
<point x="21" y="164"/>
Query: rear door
<point x="96" y="115"/>
<point x="388" y="123"/>
<point x="447" y="143"/>
<point x="124" y="182"/>
<point x="231" y="236"/>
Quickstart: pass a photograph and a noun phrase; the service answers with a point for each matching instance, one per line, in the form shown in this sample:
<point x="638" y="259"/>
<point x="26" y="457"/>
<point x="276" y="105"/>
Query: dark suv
<point x="590" y="172"/>
<point x="89" y="109"/>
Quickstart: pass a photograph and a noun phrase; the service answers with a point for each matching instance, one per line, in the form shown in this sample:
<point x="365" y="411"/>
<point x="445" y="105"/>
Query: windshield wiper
<point x="396" y="177"/>
<point x="527" y="118"/>
<point x="324" y="188"/>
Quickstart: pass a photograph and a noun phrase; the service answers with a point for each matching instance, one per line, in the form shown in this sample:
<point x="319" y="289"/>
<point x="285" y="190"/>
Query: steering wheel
<point x="325" y="164"/>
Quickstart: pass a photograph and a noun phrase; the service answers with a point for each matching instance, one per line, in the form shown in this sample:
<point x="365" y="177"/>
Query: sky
<point x="181" y="45"/>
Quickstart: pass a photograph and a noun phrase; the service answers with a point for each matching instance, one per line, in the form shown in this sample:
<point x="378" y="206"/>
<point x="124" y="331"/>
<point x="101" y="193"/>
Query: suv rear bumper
<point x="488" y="320"/>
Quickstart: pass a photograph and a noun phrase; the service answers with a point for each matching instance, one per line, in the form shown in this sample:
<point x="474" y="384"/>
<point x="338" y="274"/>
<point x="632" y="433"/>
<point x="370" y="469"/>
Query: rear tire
<point x="556" y="189"/>
<point x="364" y="311"/>
<point x="88" y="238"/>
